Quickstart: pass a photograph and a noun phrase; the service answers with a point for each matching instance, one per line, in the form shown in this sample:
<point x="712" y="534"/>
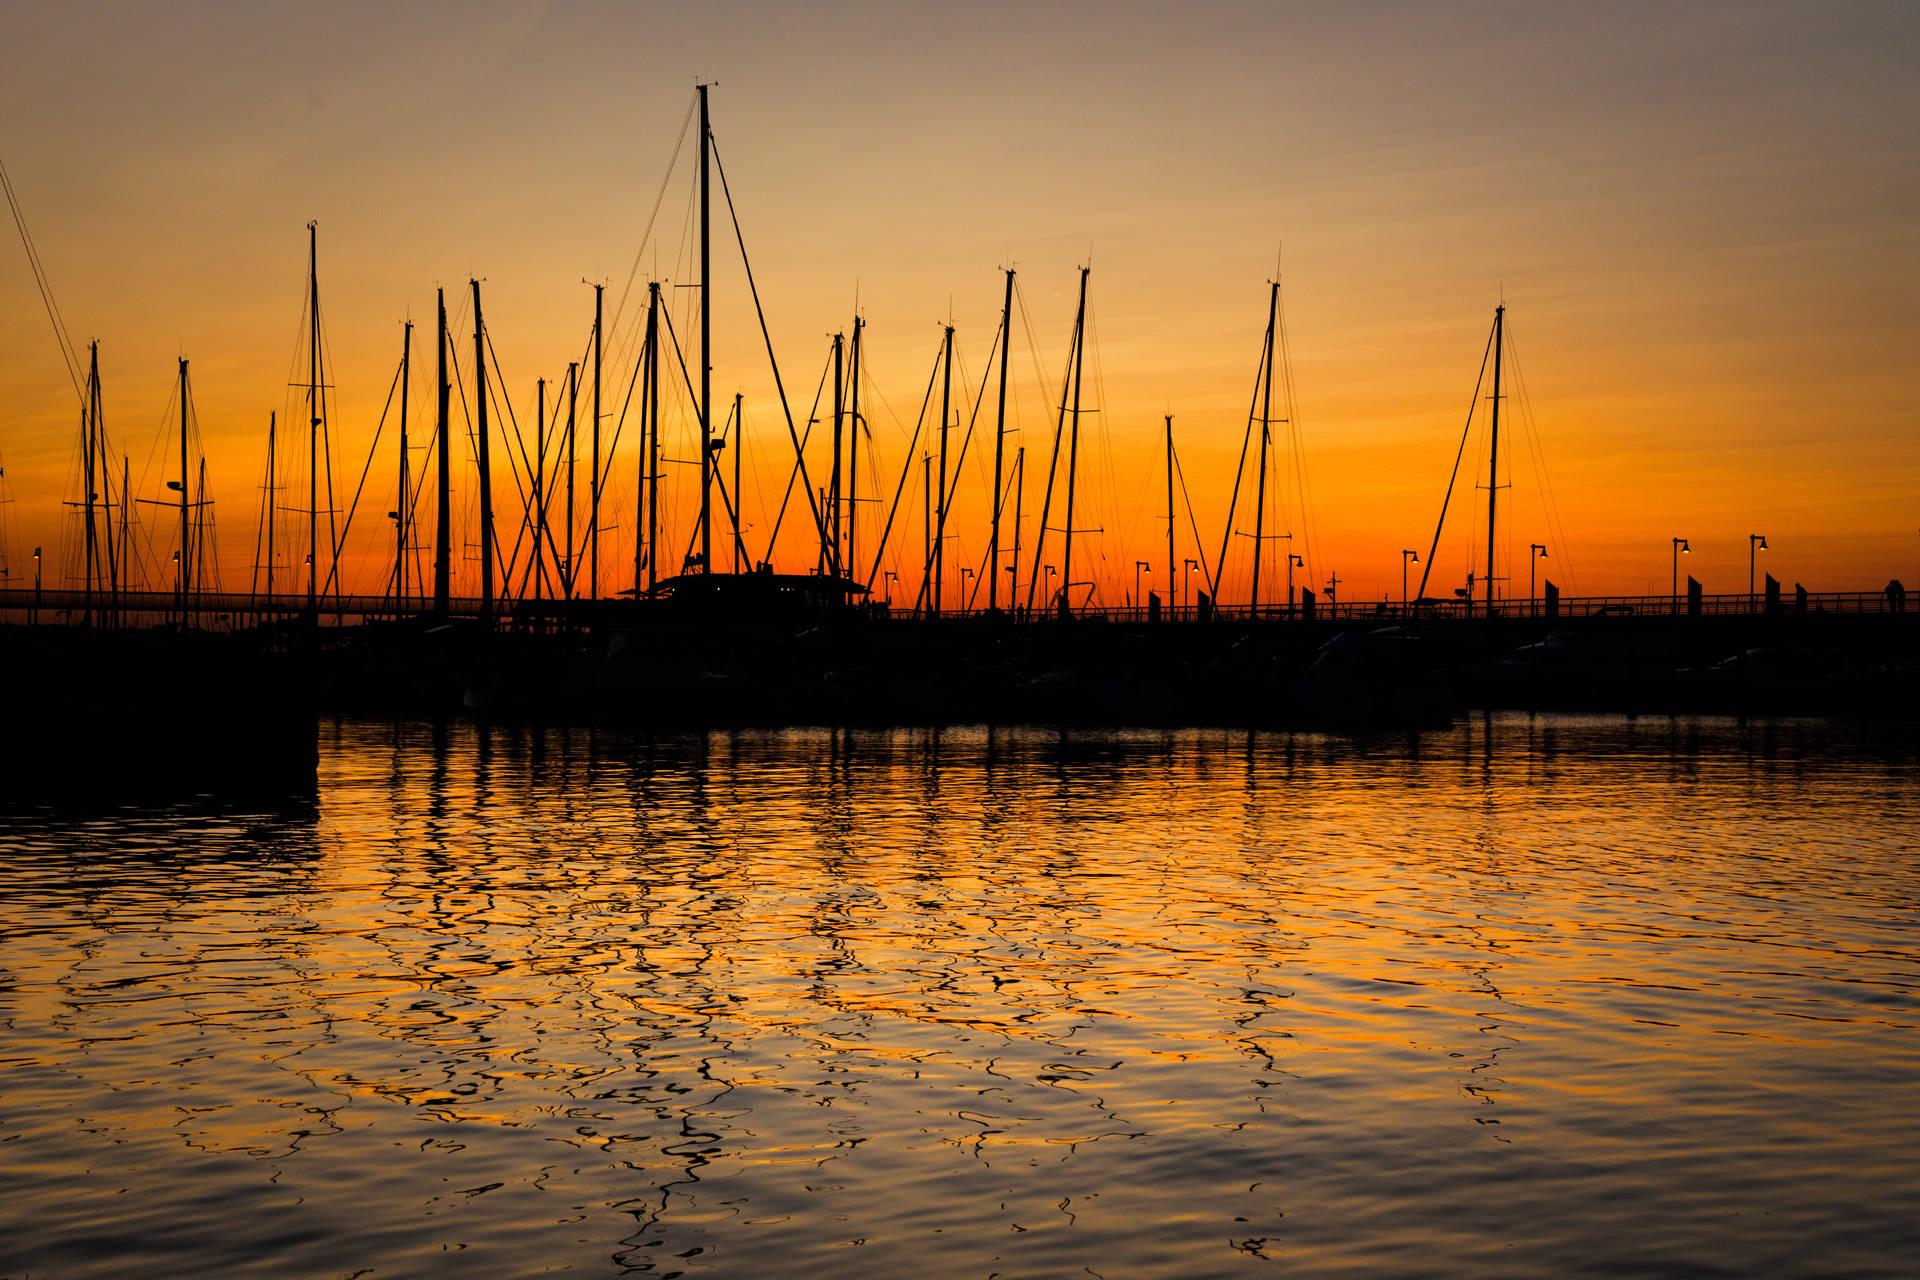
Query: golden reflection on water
<point x="1520" y="997"/>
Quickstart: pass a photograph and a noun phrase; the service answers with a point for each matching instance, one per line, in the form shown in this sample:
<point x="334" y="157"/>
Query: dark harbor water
<point x="1524" y="997"/>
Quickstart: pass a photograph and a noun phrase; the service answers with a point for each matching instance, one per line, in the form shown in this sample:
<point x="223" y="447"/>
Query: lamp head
<point x="1762" y="542"/>
<point x="1681" y="545"/>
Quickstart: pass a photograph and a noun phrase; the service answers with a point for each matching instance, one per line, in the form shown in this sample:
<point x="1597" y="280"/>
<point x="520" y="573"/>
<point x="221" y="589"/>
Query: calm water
<point x="1524" y="997"/>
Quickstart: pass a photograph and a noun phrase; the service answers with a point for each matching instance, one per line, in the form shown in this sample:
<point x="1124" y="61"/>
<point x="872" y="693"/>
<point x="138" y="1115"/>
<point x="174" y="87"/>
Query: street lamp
<point x="1679" y="545"/>
<point x="1406" y="558"/>
<point x="891" y="577"/>
<point x="965" y="573"/>
<point x="1755" y="542"/>
<point x="1534" y="552"/>
<point x="1186" y="587"/>
<point x="1138" y="565"/>
<point x="1292" y="560"/>
<point x="36" y="585"/>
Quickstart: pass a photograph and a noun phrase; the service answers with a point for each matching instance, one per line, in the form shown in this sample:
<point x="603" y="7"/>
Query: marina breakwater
<point x="127" y="711"/>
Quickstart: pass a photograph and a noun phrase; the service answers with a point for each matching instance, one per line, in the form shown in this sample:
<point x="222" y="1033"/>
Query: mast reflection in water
<point x="1519" y="998"/>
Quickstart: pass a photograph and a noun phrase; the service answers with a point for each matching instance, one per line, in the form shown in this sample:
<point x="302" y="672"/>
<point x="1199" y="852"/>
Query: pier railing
<point x="235" y="610"/>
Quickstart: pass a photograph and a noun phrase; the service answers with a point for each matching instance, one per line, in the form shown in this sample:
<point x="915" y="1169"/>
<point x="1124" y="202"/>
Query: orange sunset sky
<point x="1702" y="219"/>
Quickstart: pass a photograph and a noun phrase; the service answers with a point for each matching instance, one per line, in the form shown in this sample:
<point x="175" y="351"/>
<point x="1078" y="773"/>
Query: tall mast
<point x="272" y="431"/>
<point x="403" y="517"/>
<point x="1073" y="447"/>
<point x="940" y="524"/>
<point x="1170" y="566"/>
<point x="313" y="424"/>
<point x="116" y="565"/>
<point x="739" y="502"/>
<point x="126" y="544"/>
<point x="1019" y="494"/>
<point x="593" y="482"/>
<point x="651" y="459"/>
<point x="486" y="470"/>
<point x="200" y="524"/>
<point x="853" y="446"/>
<point x="832" y="557"/>
<point x="186" y="546"/>
<point x="443" y="486"/>
<point x="539" y="485"/>
<point x="1260" y="484"/>
<point x="1493" y="448"/>
<point x="593" y="515"/>
<point x="706" y="339"/>
<point x="89" y="450"/>
<point x="926" y="521"/>
<point x="999" y="443"/>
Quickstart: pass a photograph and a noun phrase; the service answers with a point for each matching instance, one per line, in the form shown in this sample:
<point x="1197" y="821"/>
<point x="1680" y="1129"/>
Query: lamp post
<point x="36" y="585"/>
<point x="1535" y="552"/>
<point x="1186" y="587"/>
<point x="1138" y="565"/>
<point x="965" y="573"/>
<point x="892" y="577"/>
<point x="1755" y="542"/>
<point x="1292" y="560"/>
<point x="1679" y="545"/>
<point x="1406" y="558"/>
<point x="1050" y="571"/>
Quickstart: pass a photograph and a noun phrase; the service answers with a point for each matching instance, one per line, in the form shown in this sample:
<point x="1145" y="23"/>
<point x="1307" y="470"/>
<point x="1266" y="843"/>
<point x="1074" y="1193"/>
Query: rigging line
<point x="1538" y="446"/>
<point x="620" y="307"/>
<point x="940" y="526"/>
<point x="373" y="451"/>
<point x="793" y="472"/>
<point x="1240" y="470"/>
<point x="906" y="469"/>
<point x="1033" y="340"/>
<point x="819" y="519"/>
<point x="54" y="318"/>
<point x="1472" y="405"/>
<point x="1309" y="519"/>
<point x="1193" y="523"/>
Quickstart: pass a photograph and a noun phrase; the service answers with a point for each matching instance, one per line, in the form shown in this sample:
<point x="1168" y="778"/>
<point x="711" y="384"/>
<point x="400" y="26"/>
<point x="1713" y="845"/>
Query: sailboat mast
<point x="832" y="557"/>
<point x="313" y="422"/>
<point x="1019" y="494"/>
<point x="200" y="510"/>
<point x="739" y="501"/>
<point x="940" y="524"/>
<point x="403" y="516"/>
<point x="126" y="544"/>
<point x="926" y="522"/>
<point x="651" y="458"/>
<point x="593" y="485"/>
<point x="1170" y="565"/>
<point x="272" y="431"/>
<point x="1493" y="447"/>
<point x="186" y="545"/>
<point x="88" y="452"/>
<point x="999" y="445"/>
<point x="443" y="486"/>
<point x="593" y="481"/>
<point x="1073" y="446"/>
<point x="853" y="446"/>
<point x="481" y="459"/>
<point x="539" y="485"/>
<point x="1260" y="484"/>
<point x="706" y="338"/>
